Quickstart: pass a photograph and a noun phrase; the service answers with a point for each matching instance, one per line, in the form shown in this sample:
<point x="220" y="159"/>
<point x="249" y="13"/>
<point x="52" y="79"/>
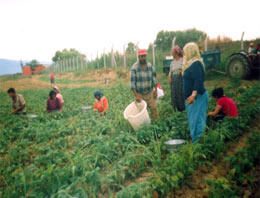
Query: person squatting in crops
<point x="225" y="106"/>
<point x="53" y="103"/>
<point x="175" y="80"/>
<point x="101" y="103"/>
<point x="143" y="83"/>
<point x="195" y="95"/>
<point x="58" y="94"/>
<point x="18" y="102"/>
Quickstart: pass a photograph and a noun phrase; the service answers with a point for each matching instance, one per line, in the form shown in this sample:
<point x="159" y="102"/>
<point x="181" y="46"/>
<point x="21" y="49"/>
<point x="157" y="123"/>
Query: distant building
<point x="28" y="72"/>
<point x="39" y="69"/>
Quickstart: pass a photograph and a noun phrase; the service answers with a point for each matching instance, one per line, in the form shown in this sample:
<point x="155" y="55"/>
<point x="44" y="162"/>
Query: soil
<point x="142" y="178"/>
<point x="95" y="78"/>
<point x="197" y="187"/>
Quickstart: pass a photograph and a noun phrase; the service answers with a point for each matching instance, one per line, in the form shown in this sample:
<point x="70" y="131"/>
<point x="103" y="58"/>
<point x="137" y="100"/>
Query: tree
<point x="33" y="64"/>
<point x="130" y="48"/>
<point x="164" y="38"/>
<point x="66" y="54"/>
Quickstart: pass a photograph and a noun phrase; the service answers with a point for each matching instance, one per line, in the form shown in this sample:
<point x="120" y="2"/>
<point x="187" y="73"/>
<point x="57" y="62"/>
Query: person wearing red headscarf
<point x="52" y="77"/>
<point x="175" y="79"/>
<point x="143" y="83"/>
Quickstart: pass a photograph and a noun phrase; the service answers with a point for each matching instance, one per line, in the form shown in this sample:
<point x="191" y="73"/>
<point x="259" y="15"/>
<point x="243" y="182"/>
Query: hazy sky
<point x="36" y="29"/>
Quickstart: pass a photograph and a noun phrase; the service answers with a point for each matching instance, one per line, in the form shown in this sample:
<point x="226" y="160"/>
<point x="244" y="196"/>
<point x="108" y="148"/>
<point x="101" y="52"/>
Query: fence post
<point x="81" y="63"/>
<point x="104" y="60"/>
<point x="86" y="62"/>
<point x="153" y="45"/>
<point x="124" y="56"/>
<point x="77" y="63"/>
<point x="136" y="48"/>
<point x="97" y="61"/>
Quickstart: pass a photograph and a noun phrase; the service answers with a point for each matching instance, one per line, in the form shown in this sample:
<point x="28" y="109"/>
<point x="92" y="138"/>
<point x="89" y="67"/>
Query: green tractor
<point x="243" y="65"/>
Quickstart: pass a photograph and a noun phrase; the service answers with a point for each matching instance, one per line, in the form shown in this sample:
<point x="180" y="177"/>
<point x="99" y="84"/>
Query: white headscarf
<point x="191" y="55"/>
<point x="56" y="88"/>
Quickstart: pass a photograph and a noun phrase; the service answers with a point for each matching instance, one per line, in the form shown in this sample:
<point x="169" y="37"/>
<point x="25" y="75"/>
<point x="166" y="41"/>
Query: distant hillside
<point x="9" y="66"/>
<point x="13" y="66"/>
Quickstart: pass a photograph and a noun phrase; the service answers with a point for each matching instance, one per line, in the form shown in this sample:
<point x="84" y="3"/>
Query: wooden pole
<point x="112" y="63"/>
<point x="124" y="56"/>
<point x="153" y="45"/>
<point x="104" y="60"/>
<point x="77" y="58"/>
<point x="136" y="48"/>
<point x="73" y="63"/>
<point x="97" y="61"/>
<point x="242" y="41"/>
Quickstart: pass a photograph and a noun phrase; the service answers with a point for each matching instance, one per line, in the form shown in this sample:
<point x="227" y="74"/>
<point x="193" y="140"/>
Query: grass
<point x="65" y="81"/>
<point x="10" y="77"/>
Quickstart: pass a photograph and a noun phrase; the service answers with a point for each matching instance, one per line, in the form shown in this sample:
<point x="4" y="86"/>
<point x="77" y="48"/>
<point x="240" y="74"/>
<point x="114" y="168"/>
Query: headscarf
<point x="159" y="86"/>
<point x="98" y="93"/>
<point x="178" y="50"/>
<point x="191" y="55"/>
<point x="56" y="88"/>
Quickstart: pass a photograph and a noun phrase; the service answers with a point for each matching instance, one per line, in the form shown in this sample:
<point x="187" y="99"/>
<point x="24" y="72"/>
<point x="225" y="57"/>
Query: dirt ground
<point x="95" y="78"/>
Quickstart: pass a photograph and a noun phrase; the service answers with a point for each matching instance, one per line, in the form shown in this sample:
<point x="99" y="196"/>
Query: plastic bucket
<point x="137" y="115"/>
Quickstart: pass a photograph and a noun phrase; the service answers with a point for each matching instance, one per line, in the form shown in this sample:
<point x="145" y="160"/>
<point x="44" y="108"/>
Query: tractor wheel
<point x="238" y="66"/>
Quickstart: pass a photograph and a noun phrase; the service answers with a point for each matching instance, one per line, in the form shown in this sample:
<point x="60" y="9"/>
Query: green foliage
<point x="136" y="190"/>
<point x="66" y="54"/>
<point x="71" y="154"/>
<point x="164" y="38"/>
<point x="33" y="64"/>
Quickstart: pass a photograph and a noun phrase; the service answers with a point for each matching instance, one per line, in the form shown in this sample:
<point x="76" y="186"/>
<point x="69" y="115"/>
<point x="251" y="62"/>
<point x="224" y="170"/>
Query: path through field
<point x="95" y="78"/>
<point x="197" y="187"/>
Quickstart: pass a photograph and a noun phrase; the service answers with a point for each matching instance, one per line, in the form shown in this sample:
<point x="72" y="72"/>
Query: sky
<point x="36" y="29"/>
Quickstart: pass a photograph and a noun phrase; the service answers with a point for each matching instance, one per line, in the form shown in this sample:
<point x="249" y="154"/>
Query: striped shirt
<point x="143" y="81"/>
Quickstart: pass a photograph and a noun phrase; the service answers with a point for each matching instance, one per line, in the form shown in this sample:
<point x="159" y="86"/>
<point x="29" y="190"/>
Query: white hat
<point x="56" y="88"/>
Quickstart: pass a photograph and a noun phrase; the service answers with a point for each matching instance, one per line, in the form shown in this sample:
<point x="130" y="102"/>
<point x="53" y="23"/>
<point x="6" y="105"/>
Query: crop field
<point x="71" y="154"/>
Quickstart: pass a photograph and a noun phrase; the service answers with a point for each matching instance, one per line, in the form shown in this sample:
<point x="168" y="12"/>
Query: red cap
<point x="142" y="52"/>
<point x="159" y="85"/>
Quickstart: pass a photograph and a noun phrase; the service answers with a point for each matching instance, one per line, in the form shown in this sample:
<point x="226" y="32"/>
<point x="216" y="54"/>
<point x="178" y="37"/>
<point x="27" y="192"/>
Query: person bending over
<point x="225" y="106"/>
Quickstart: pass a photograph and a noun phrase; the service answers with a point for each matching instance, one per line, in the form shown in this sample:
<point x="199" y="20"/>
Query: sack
<point x="160" y="93"/>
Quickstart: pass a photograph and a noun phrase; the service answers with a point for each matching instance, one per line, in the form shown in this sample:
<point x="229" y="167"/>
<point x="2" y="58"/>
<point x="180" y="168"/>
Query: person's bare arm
<point x="18" y="109"/>
<point x="191" y="98"/>
<point x="215" y="112"/>
<point x="137" y="96"/>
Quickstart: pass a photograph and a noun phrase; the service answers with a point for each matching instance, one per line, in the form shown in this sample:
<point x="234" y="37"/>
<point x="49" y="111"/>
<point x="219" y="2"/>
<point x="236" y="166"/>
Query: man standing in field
<point x="143" y="83"/>
<point x="18" y="104"/>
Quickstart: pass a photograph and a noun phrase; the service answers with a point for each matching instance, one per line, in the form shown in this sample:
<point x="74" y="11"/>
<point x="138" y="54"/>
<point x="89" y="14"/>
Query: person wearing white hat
<point x="58" y="94"/>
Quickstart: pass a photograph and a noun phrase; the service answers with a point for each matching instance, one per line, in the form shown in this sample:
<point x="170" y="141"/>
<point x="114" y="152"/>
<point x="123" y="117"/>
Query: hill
<point x="9" y="66"/>
<point x="13" y="66"/>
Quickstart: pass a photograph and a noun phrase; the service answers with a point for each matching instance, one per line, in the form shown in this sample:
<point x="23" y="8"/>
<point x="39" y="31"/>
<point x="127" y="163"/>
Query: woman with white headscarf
<point x="195" y="95"/>
<point x="58" y="94"/>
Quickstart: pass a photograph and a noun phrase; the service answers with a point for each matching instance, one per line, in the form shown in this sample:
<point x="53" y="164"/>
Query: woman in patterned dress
<point x="175" y="80"/>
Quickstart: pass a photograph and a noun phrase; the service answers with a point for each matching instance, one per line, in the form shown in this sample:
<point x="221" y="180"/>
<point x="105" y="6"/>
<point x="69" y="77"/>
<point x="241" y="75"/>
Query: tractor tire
<point x="238" y="66"/>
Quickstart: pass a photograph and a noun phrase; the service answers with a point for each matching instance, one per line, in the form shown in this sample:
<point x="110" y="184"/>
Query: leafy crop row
<point x="238" y="178"/>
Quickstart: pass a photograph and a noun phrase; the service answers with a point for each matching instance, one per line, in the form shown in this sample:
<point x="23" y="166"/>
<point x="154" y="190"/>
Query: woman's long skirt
<point x="177" y="97"/>
<point x="197" y="115"/>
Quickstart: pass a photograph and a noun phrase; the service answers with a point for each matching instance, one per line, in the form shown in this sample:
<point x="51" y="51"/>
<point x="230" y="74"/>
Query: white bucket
<point x="137" y="115"/>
